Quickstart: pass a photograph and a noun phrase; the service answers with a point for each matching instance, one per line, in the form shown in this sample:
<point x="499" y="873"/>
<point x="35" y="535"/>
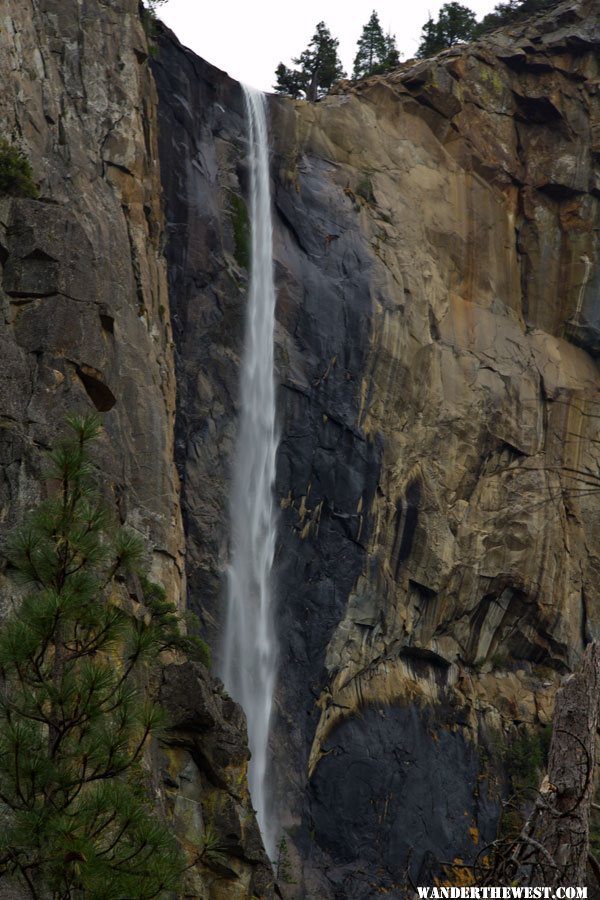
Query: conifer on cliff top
<point x="377" y="52"/>
<point x="317" y="68"/>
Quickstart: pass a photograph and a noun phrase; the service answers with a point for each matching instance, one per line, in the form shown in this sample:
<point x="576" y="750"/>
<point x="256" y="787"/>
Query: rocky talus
<point x="438" y="329"/>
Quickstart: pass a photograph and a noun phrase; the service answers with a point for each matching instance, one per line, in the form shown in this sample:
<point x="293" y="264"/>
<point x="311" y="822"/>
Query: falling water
<point x="250" y="652"/>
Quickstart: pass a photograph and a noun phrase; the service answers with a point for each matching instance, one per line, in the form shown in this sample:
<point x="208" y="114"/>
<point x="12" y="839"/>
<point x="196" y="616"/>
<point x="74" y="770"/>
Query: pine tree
<point x="509" y="11"/>
<point x="76" y="819"/>
<point x="455" y="23"/>
<point x="283" y="863"/>
<point x="430" y="42"/>
<point x="151" y="5"/>
<point x="376" y="52"/>
<point x="319" y="67"/>
<point x="392" y="55"/>
<point x="290" y="82"/>
<point x="16" y="176"/>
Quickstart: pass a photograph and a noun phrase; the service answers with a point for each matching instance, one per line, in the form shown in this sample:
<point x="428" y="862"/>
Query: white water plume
<point x="250" y="651"/>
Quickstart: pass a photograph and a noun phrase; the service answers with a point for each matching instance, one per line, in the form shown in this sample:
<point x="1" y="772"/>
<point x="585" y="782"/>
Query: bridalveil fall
<point x="249" y="648"/>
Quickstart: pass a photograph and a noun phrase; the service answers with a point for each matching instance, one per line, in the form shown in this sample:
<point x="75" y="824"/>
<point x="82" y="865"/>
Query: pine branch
<point x="73" y="727"/>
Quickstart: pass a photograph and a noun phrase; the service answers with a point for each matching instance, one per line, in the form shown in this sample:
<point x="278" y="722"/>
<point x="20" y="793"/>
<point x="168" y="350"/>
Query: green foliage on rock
<point x="151" y="6"/>
<point x="240" y="222"/>
<point x="149" y="19"/>
<point x="509" y="11"/>
<point x="212" y="849"/>
<point x="317" y="68"/>
<point x="16" y="177"/>
<point x="377" y="52"/>
<point x="455" y="23"/>
<point x="77" y="820"/>
<point x="290" y="82"/>
<point x="526" y="757"/>
<point x="523" y="755"/>
<point x="165" y="616"/>
<point x="283" y="864"/>
<point x="192" y="644"/>
<point x="364" y="189"/>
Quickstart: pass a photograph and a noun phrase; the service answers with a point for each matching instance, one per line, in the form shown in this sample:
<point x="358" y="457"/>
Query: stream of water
<point x="249" y="662"/>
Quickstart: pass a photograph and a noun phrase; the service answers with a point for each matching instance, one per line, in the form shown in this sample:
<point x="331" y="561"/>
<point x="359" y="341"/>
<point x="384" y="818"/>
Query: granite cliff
<point x="436" y="247"/>
<point x="84" y="324"/>
<point x="438" y="330"/>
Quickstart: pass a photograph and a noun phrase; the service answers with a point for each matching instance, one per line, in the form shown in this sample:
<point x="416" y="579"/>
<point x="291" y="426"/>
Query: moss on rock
<point x="240" y="222"/>
<point x="16" y="176"/>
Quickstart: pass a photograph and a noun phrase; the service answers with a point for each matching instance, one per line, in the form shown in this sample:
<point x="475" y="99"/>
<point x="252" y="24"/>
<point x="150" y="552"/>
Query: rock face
<point x="436" y="245"/>
<point x="438" y="330"/>
<point x="84" y="324"/>
<point x="85" y="319"/>
<point x="204" y="761"/>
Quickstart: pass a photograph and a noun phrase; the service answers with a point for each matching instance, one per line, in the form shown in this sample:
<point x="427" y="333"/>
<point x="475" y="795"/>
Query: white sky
<point x="247" y="38"/>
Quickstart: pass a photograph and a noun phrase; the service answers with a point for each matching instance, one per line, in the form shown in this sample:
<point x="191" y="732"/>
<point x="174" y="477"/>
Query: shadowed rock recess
<point x="437" y="344"/>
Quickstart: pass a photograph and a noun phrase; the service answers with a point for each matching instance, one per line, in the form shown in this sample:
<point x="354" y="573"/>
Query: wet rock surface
<point x="416" y="782"/>
<point x="203" y="157"/>
<point x="436" y="256"/>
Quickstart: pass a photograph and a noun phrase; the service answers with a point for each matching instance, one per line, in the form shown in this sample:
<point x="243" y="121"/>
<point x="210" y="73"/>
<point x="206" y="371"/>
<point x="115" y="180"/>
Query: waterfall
<point x="249" y="651"/>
